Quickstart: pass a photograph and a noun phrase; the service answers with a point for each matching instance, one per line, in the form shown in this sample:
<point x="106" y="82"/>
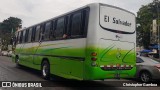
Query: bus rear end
<point x="113" y="55"/>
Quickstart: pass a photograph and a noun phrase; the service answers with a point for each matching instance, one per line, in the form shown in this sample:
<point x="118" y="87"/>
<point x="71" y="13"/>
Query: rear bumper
<point x="97" y="73"/>
<point x="156" y="74"/>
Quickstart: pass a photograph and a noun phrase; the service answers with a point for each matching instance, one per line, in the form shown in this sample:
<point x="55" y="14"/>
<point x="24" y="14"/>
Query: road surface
<point x="9" y="72"/>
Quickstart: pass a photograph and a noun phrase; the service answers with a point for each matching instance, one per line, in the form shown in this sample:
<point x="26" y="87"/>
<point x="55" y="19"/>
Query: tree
<point x="145" y="15"/>
<point x="7" y="28"/>
<point x="12" y="23"/>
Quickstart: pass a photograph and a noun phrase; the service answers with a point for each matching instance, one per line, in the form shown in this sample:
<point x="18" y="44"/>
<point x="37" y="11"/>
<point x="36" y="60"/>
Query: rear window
<point x="139" y="60"/>
<point x="155" y="61"/>
<point x="158" y="61"/>
<point x="60" y="28"/>
<point x="116" y="20"/>
<point x="76" y="25"/>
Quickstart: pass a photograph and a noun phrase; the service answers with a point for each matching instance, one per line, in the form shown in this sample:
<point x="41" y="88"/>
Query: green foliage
<point x="145" y="15"/>
<point x="11" y="23"/>
<point x="7" y="29"/>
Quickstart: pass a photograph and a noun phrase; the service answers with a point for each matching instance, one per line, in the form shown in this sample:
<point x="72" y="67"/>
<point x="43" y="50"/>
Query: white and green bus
<point x="94" y="42"/>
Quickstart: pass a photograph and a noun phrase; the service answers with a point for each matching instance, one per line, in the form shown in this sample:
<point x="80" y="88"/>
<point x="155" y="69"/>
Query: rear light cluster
<point x="157" y="66"/>
<point x="93" y="54"/>
<point x="116" y="67"/>
<point x="94" y="58"/>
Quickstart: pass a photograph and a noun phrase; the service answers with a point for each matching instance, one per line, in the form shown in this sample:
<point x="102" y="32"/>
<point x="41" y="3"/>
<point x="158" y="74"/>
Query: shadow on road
<point x="79" y="85"/>
<point x="30" y="71"/>
<point x="61" y="82"/>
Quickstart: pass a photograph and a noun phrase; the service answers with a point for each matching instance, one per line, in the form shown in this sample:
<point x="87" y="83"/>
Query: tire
<point x="145" y="77"/>
<point x="45" y="70"/>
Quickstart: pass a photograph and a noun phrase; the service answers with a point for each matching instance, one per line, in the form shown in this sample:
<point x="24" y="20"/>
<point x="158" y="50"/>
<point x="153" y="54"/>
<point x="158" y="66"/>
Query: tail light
<point x="157" y="66"/>
<point x="93" y="59"/>
<point x="94" y="54"/>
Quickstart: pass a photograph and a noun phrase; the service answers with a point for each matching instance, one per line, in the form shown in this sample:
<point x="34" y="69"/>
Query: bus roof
<point x="88" y="5"/>
<point x="117" y="8"/>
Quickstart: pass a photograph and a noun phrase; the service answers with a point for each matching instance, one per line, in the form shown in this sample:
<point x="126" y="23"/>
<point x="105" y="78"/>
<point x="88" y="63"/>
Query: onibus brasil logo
<point x="20" y="84"/>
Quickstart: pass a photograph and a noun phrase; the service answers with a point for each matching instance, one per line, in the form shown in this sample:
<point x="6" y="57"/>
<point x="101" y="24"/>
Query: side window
<point x="18" y="33"/>
<point x="37" y="36"/>
<point x="30" y="35"/>
<point x="21" y="37"/>
<point x="26" y="35"/>
<point x="33" y="34"/>
<point x="85" y="21"/>
<point x="24" y="32"/>
<point x="76" y="25"/>
<point x="139" y="60"/>
<point x="41" y="32"/>
<point x="59" y="28"/>
<point x="47" y="30"/>
<point x="51" y="35"/>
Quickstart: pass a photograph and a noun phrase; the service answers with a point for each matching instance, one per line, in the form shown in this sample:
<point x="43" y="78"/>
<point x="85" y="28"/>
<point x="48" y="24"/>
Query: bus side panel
<point x="68" y="69"/>
<point x="66" y="57"/>
<point x="27" y="55"/>
<point x="24" y="59"/>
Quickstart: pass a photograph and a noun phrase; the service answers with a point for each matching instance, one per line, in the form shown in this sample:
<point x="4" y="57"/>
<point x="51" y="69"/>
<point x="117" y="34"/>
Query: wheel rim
<point x="145" y="77"/>
<point x="45" y="70"/>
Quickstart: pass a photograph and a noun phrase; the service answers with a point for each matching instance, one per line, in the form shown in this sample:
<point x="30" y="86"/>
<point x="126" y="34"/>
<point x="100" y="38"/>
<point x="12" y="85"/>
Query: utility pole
<point x="157" y="2"/>
<point x="158" y="26"/>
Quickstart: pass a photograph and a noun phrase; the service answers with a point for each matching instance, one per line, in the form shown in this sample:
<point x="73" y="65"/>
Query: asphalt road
<point x="9" y="72"/>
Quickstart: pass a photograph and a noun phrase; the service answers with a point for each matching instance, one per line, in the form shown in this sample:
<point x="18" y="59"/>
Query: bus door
<point x="38" y="41"/>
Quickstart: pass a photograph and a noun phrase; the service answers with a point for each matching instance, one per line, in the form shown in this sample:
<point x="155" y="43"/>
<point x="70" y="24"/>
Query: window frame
<point x="73" y="16"/>
<point x="49" y="31"/>
<point x="23" y="39"/>
<point x="30" y="35"/>
<point x="42" y="29"/>
<point x="84" y="23"/>
<point x="139" y="60"/>
<point x="31" y="32"/>
<point x="55" y="29"/>
<point x="53" y="26"/>
<point x="26" y="35"/>
<point x="39" y="28"/>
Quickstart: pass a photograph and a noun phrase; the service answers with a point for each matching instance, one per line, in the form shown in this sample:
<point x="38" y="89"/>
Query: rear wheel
<point x="45" y="70"/>
<point x="145" y="77"/>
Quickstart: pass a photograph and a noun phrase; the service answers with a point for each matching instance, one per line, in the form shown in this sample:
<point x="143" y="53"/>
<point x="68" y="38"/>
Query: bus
<point x="94" y="42"/>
